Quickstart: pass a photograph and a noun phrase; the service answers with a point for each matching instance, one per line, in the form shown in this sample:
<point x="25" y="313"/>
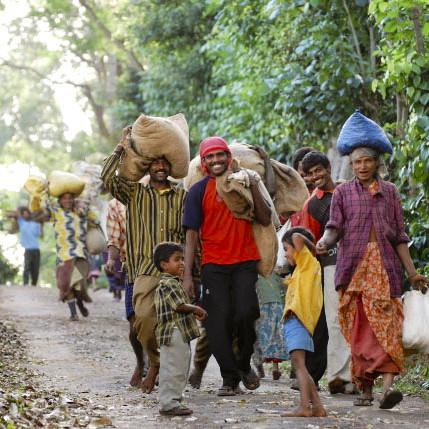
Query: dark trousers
<point x="317" y="361"/>
<point x="229" y="296"/>
<point x="31" y="265"/>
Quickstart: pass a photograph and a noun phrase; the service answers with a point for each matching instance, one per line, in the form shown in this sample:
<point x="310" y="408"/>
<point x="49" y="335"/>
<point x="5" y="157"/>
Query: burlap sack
<point x="291" y="192"/>
<point x="239" y="200"/>
<point x="156" y="137"/>
<point x="133" y="166"/>
<point x="61" y="182"/>
<point x="266" y="241"/>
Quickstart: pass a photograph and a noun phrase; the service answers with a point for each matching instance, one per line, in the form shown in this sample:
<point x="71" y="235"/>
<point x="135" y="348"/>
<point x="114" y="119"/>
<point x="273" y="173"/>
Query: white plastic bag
<point x="415" y="335"/>
<point x="281" y="259"/>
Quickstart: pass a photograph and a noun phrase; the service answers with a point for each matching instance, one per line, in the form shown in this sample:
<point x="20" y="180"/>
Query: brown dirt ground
<point x="90" y="361"/>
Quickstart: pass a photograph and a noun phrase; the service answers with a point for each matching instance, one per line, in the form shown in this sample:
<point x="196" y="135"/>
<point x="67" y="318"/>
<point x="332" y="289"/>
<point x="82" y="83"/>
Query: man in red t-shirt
<point x="229" y="274"/>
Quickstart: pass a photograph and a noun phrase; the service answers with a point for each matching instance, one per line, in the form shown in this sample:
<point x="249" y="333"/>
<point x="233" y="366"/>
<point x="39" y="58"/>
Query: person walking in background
<point x="269" y="345"/>
<point x="29" y="234"/>
<point x="176" y="327"/>
<point x="117" y="254"/>
<point x="70" y="227"/>
<point x="366" y="218"/>
<point x="302" y="309"/>
<point x="331" y="350"/>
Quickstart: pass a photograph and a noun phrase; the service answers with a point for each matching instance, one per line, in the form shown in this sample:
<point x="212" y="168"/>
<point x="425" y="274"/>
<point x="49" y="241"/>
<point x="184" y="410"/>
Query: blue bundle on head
<point x="360" y="131"/>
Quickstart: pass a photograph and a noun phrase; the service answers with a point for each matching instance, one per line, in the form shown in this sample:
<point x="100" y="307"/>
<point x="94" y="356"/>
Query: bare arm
<point x="330" y="237"/>
<point x="199" y="312"/>
<point x="112" y="256"/>
<point x="299" y="241"/>
<point x="190" y="246"/>
<point x="417" y="280"/>
<point x="262" y="209"/>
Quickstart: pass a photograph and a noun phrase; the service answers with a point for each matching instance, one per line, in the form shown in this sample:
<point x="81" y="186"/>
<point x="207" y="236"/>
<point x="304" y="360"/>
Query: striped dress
<point x="70" y="227"/>
<point x="152" y="217"/>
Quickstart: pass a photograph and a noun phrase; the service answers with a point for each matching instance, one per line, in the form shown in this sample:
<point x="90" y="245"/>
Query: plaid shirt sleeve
<point x="336" y="218"/>
<point x="168" y="297"/>
<point x="173" y="298"/>
<point x="114" y="233"/>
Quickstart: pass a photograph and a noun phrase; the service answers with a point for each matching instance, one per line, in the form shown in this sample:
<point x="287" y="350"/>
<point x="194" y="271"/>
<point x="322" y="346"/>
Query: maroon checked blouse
<point x="353" y="212"/>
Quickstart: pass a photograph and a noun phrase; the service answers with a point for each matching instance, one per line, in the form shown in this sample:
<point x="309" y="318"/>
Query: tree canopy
<point x="272" y="73"/>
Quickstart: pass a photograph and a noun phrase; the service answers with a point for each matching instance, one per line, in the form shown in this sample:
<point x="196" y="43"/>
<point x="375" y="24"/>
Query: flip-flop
<point x="363" y="401"/>
<point x="250" y="379"/>
<point x="226" y="391"/>
<point x="390" y="399"/>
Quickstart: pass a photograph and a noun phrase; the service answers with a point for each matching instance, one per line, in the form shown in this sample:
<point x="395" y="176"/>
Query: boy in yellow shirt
<point x="303" y="305"/>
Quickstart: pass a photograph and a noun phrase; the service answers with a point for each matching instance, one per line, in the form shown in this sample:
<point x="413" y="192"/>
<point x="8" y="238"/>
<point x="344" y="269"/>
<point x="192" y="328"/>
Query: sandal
<point x="226" y="391"/>
<point x="250" y="379"/>
<point x="363" y="401"/>
<point x="390" y="399"/>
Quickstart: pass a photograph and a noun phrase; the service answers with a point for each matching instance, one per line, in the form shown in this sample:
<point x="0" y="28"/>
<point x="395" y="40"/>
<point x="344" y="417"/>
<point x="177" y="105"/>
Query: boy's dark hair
<point x="163" y="252"/>
<point x="299" y="154"/>
<point x="287" y="237"/>
<point x="23" y="209"/>
<point x="314" y="158"/>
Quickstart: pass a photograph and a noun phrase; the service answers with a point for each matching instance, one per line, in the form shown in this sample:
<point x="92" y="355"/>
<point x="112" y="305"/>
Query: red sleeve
<point x="310" y="223"/>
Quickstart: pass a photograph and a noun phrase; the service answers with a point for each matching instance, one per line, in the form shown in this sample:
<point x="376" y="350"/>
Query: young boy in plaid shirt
<point x="176" y="327"/>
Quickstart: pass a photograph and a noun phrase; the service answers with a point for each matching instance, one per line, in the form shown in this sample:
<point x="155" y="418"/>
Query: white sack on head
<point x="155" y="137"/>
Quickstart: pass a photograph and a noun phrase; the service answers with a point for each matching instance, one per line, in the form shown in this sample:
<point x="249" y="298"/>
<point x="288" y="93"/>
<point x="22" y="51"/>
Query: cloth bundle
<point x="90" y="173"/>
<point x="234" y="189"/>
<point x="415" y="335"/>
<point x="360" y="131"/>
<point x="289" y="191"/>
<point x="61" y="182"/>
<point x="35" y="186"/>
<point x="155" y="137"/>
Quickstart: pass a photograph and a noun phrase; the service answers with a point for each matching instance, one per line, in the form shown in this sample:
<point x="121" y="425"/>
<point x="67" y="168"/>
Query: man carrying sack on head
<point x="153" y="215"/>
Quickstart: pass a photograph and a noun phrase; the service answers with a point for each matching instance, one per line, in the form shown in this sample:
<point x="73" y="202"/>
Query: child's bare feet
<point x="149" y="381"/>
<point x="319" y="411"/>
<point x="299" y="412"/>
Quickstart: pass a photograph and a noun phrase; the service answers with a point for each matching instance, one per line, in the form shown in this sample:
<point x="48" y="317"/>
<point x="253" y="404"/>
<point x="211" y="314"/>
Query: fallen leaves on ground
<point x="23" y="404"/>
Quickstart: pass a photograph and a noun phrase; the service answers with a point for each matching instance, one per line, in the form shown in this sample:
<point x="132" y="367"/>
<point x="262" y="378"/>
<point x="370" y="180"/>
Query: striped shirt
<point x="70" y="227"/>
<point x="169" y="295"/>
<point x="152" y="217"/>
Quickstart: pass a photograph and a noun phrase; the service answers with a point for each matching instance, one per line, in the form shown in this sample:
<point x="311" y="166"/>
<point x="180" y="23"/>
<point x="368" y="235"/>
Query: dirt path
<point x="91" y="361"/>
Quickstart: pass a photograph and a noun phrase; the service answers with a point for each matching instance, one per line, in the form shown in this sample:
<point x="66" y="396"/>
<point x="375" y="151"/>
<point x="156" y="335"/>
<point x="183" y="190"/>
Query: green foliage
<point x="404" y="73"/>
<point x="8" y="272"/>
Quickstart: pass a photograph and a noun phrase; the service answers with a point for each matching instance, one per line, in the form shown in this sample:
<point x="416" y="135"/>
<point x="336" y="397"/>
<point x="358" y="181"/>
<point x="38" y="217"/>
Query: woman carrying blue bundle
<point x="366" y="219"/>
